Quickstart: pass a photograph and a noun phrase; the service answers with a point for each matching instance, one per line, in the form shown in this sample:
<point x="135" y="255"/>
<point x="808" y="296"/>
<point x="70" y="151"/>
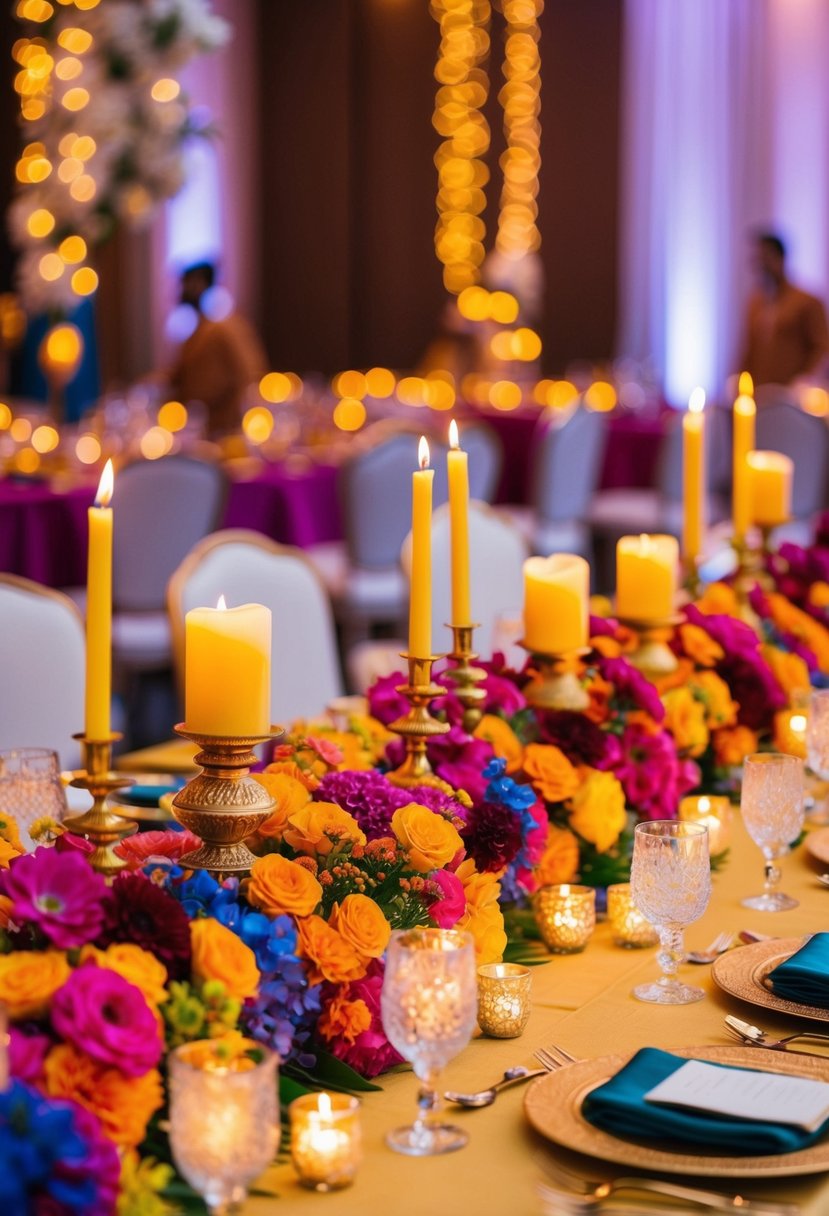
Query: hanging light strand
<point x="520" y="98"/>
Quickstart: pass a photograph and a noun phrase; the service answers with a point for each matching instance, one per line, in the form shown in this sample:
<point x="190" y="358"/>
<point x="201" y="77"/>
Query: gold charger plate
<point x="742" y="972"/>
<point x="553" y="1106"/>
<point x="817" y="845"/>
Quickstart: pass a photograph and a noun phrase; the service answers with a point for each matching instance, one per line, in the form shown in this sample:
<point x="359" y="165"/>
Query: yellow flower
<point x="685" y="719"/>
<point x="123" y="1104"/>
<point x="319" y="827"/>
<point x="429" y="840"/>
<point x="279" y="886"/>
<point x="227" y="1050"/>
<point x="608" y="647"/>
<point x="789" y="670"/>
<point x="551" y="773"/>
<point x="331" y="957"/>
<point x="8" y="852"/>
<point x="503" y="739"/>
<point x="218" y="954"/>
<point x="598" y="813"/>
<point x="560" y="860"/>
<point x="361" y="922"/>
<point x="291" y="769"/>
<point x="29" y="979"/>
<point x="793" y="620"/>
<point x="819" y="595"/>
<point x="344" y="1019"/>
<point x="733" y="744"/>
<point x="715" y="695"/>
<point x="718" y="598"/>
<point x="9" y="830"/>
<point x="289" y="794"/>
<point x="483" y="917"/>
<point x="136" y="965"/>
<point x="140" y="1185"/>
<point x="699" y="645"/>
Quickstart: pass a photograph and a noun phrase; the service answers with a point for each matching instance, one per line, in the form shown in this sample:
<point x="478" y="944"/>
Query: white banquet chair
<point x="246" y="567"/>
<point x="804" y="438"/>
<point x="42" y="658"/>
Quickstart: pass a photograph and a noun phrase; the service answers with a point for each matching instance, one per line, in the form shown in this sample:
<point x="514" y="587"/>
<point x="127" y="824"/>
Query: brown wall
<point x="350" y="275"/>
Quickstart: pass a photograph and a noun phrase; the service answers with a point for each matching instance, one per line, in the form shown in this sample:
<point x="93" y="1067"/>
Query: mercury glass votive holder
<point x="503" y="999"/>
<point x="630" y="928"/>
<point x="713" y="812"/>
<point x="566" y="916"/>
<point x="326" y="1140"/>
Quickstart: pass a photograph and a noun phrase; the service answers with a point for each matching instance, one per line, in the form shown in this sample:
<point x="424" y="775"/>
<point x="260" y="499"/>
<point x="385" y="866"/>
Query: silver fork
<point x="553" y="1057"/>
<point x="721" y="943"/>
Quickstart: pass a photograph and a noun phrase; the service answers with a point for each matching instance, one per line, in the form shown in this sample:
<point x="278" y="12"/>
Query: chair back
<point x="804" y="438"/>
<point x="567" y="460"/>
<point x="497" y="552"/>
<point x="162" y="507"/>
<point x="246" y="567"/>
<point x="42" y="657"/>
<point x="486" y="457"/>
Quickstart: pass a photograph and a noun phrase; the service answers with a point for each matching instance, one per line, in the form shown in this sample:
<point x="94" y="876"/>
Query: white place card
<point x="743" y="1094"/>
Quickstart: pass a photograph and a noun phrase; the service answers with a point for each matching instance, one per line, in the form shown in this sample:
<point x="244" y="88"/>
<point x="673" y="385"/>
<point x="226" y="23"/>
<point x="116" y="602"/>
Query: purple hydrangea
<point x="372" y="799"/>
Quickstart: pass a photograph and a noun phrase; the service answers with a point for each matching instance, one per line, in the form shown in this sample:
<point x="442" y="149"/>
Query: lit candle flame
<point x="324" y="1106"/>
<point x="454" y="437"/>
<point x="696" y="402"/>
<point x="704" y="805"/>
<point x="644" y="544"/>
<point x="105" y="486"/>
<point x="798" y="723"/>
<point x="746" y="385"/>
<point x="423" y="453"/>
<point x="222" y="604"/>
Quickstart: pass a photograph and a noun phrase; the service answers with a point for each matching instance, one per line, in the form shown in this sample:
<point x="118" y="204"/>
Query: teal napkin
<point x="619" y="1107"/>
<point x="148" y="795"/>
<point x="804" y="977"/>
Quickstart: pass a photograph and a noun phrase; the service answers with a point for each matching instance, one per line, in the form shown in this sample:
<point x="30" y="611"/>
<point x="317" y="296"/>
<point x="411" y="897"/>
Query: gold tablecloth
<point x="582" y="1002"/>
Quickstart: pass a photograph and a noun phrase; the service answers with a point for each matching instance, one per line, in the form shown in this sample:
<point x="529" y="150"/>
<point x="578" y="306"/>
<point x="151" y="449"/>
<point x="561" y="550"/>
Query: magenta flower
<point x="450" y="905"/>
<point x="100" y="1163"/>
<point x="109" y="1019"/>
<point x="371" y="1053"/>
<point x="652" y="774"/>
<point x="68" y="842"/>
<point x="26" y="1055"/>
<point x="631" y="686"/>
<point x="59" y="893"/>
<point x="385" y="703"/>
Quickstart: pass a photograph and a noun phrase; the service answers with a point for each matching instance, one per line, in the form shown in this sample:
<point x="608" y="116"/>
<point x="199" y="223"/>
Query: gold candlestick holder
<point x="100" y="825"/>
<point x="653" y="656"/>
<point x="466" y="676"/>
<point x="555" y="684"/>
<point x="223" y="804"/>
<point x="418" y="726"/>
<point x="747" y="576"/>
<point x="692" y="582"/>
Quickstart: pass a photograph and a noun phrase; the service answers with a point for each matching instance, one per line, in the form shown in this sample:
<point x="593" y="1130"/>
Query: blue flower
<point x="504" y="790"/>
<point x="284" y="1014"/>
<point x="201" y="893"/>
<point x="270" y="940"/>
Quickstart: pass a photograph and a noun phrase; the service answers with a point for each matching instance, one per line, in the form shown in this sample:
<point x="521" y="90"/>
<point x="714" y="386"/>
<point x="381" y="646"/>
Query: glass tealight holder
<point x="630" y="928"/>
<point x="326" y="1141"/>
<point x="713" y="812"/>
<point x="566" y="916"/>
<point x="503" y="999"/>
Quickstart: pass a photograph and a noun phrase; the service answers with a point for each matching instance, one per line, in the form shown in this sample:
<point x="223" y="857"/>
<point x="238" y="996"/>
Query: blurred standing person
<point x="786" y="334"/>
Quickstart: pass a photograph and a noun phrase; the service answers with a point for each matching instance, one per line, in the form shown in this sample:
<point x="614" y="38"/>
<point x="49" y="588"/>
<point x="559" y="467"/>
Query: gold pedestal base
<point x="556" y="684"/>
<point x="653" y="656"/>
<point x="223" y="804"/>
<point x="418" y="726"/>
<point x="692" y="582"/>
<point x="101" y="826"/>
<point x="467" y="677"/>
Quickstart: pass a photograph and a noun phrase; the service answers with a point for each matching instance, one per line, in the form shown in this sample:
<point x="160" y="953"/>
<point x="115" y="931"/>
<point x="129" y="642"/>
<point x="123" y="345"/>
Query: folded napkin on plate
<point x="148" y="795"/>
<point x="619" y="1107"/>
<point x="804" y="977"/>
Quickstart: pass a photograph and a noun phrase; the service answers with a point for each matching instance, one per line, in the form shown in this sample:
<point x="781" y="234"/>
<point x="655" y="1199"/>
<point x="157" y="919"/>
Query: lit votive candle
<point x="326" y="1143"/>
<point x="503" y="999"/>
<point x="790" y="727"/>
<point x="566" y="916"/>
<point x="630" y="928"/>
<point x="712" y="812"/>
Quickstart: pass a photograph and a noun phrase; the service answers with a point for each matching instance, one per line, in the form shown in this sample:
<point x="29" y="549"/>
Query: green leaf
<point x="526" y="954"/>
<point x="330" y="1073"/>
<point x="290" y="1088"/>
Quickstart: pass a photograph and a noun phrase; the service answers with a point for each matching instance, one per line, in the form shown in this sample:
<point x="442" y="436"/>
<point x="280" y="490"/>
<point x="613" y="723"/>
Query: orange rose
<point x="789" y="670"/>
<point x="674" y="679"/>
<point x="608" y="647"/>
<point x="503" y="740"/>
<point x="9" y="830"/>
<point x="719" y="598"/>
<point x="123" y="1104"/>
<point x="429" y="840"/>
<point x="685" y="719"/>
<point x="560" y="860"/>
<point x="289" y="794"/>
<point x="29" y="979"/>
<point x="483" y="917"/>
<point x="291" y="769"/>
<point x="361" y="922"/>
<point x="218" y="954"/>
<point x="319" y="827"/>
<point x="819" y="595"/>
<point x="137" y="966"/>
<point x="331" y="957"/>
<point x="715" y="695"/>
<point x="8" y="852"/>
<point x="733" y="744"/>
<point x="344" y="1019"/>
<point x="699" y="645"/>
<point x="599" y="691"/>
<point x="550" y="771"/>
<point x="278" y="885"/>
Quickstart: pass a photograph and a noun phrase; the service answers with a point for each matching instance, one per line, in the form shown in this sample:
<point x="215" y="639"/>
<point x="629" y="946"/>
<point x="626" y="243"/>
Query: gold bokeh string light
<point x="520" y="99"/>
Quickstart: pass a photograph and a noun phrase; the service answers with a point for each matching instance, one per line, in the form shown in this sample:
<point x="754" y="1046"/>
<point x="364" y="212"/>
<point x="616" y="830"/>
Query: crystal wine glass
<point x="817" y="745"/>
<point x="772" y="805"/>
<point x="30" y="788"/>
<point x="224" y="1123"/>
<point x="670" y="882"/>
<point x="428" y="1006"/>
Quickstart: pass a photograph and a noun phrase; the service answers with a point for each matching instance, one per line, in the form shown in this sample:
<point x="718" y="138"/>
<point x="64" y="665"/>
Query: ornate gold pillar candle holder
<point x="556" y="683"/>
<point x="326" y="1140"/>
<point x="566" y="916"/>
<point x="466" y="676"/>
<point x="713" y="812"/>
<point x="418" y="726"/>
<point x="503" y="999"/>
<point x="630" y="928"/>
<point x="223" y="804"/>
<point x="101" y="826"/>
<point x="653" y="656"/>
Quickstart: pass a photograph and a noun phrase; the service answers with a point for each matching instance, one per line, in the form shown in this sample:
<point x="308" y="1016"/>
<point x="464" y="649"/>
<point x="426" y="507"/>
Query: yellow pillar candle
<point x="693" y="476"/>
<point x="743" y="421"/>
<point x="646" y="570"/>
<point x="420" y="593"/>
<point x="458" y="470"/>
<point x="227" y="670"/>
<point x="770" y="478"/>
<point x="99" y="611"/>
<point x="555" y="603"/>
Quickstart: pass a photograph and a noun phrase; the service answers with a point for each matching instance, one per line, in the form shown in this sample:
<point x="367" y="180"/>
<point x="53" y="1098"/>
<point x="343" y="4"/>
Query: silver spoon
<point x="721" y="943"/>
<point x="824" y="878"/>
<point x="486" y="1097"/>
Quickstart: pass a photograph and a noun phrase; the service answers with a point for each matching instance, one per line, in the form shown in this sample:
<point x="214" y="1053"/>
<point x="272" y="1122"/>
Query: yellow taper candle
<point x="420" y="594"/>
<point x="693" y="476"/>
<point x="227" y="670"/>
<point x="458" y="471"/>
<point x="743" y="420"/>
<point x="646" y="573"/>
<point x="99" y="611"/>
<point x="556" y="589"/>
<point x="770" y="483"/>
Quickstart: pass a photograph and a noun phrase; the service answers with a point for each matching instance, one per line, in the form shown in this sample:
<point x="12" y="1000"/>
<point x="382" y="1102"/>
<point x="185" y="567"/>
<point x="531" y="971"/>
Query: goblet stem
<point x="671" y="954"/>
<point x="771" y="878"/>
<point x="428" y="1107"/>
